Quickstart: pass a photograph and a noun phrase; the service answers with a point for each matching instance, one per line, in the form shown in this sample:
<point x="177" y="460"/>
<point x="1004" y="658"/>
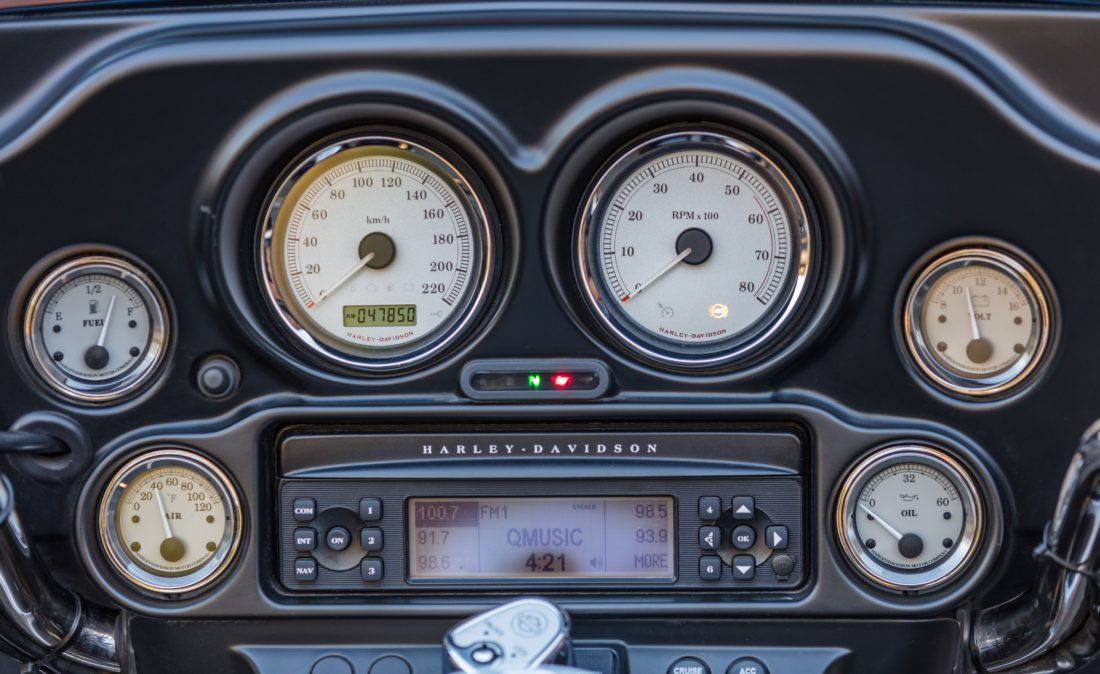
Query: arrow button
<point x="744" y="567"/>
<point x="776" y="537"/>
<point x="743" y="507"/>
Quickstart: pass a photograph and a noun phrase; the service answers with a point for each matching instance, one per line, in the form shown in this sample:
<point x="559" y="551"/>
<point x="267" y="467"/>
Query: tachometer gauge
<point x="693" y="249"/>
<point x="170" y="521"/>
<point x="377" y="252"/>
<point x="909" y="518"/>
<point x="977" y="322"/>
<point x="96" y="329"/>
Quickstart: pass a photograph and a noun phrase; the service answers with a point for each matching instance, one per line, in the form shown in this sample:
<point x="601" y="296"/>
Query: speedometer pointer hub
<point x="380" y="247"/>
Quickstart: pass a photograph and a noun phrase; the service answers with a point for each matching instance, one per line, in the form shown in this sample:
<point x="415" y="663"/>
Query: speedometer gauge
<point x="693" y="249"/>
<point x="377" y="252"/>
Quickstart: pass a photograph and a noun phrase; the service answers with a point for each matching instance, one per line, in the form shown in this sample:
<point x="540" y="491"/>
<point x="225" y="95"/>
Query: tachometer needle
<point x="660" y="272"/>
<point x="893" y="532"/>
<point x="324" y="294"/>
<point x="163" y="515"/>
<point x="106" y="321"/>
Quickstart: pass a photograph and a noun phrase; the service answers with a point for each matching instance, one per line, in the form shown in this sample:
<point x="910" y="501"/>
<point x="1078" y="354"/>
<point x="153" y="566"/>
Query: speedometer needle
<point x="324" y="294"/>
<point x="660" y="272"/>
<point x="893" y="532"/>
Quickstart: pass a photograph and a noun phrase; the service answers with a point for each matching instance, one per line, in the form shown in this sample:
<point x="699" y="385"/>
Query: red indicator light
<point x="562" y="380"/>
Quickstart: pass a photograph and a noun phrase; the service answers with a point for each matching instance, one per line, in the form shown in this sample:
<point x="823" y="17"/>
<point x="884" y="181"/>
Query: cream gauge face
<point x="693" y="248"/>
<point x="978" y="322"/>
<point x="96" y="329"/>
<point x="376" y="252"/>
<point x="170" y="521"/>
<point x="909" y="518"/>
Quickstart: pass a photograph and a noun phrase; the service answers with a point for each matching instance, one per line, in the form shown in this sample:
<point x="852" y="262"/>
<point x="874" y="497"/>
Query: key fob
<point x="519" y="635"/>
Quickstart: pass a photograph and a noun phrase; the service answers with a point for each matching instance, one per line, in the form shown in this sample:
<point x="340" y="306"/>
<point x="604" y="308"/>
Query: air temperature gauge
<point x="909" y="518"/>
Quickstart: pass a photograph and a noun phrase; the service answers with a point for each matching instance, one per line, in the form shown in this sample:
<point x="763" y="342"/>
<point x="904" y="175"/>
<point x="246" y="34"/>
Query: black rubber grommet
<point x="56" y="468"/>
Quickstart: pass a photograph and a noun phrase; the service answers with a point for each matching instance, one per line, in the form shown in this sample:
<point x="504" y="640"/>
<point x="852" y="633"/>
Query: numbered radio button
<point x="370" y="509"/>
<point x="710" y="567"/>
<point x="710" y="538"/>
<point x="710" y="508"/>
<point x="371" y="539"/>
<point x="371" y="569"/>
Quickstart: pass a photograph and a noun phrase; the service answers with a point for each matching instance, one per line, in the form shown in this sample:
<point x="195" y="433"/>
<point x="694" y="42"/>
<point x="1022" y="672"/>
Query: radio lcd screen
<point x="599" y="538"/>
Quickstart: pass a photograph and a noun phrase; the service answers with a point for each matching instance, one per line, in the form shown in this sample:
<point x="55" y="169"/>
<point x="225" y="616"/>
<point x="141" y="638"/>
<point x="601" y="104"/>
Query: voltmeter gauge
<point x="377" y="251"/>
<point x="693" y="248"/>
<point x="909" y="518"/>
<point x="96" y="329"/>
<point x="170" y="521"/>
<point x="977" y="322"/>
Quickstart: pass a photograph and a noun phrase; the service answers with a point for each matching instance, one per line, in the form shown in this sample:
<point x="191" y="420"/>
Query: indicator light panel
<point x="535" y="380"/>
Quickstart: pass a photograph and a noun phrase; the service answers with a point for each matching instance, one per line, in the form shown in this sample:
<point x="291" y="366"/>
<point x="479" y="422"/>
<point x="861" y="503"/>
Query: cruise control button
<point x="744" y="537"/>
<point x="305" y="509"/>
<point x="710" y="538"/>
<point x="743" y="507"/>
<point x="305" y="569"/>
<point x="371" y="539"/>
<point x="689" y="666"/>
<point x="710" y="568"/>
<point x="305" y="540"/>
<point x="776" y="537"/>
<point x="371" y="569"/>
<point x="338" y="539"/>
<point x="747" y="666"/>
<point x="710" y="508"/>
<point x="744" y="567"/>
<point x="370" y="509"/>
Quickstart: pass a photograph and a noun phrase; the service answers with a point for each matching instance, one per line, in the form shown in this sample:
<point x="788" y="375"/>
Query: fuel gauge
<point x="96" y="329"/>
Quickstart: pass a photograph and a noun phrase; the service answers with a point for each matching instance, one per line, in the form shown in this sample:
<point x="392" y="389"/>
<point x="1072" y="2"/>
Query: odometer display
<point x="693" y="248"/>
<point x="379" y="315"/>
<point x="377" y="252"/>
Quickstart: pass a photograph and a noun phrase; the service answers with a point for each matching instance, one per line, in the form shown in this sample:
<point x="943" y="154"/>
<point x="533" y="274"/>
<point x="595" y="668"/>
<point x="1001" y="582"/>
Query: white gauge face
<point x="378" y="248"/>
<point x="170" y="521"/>
<point x="978" y="322"/>
<point x="695" y="246"/>
<point x="909" y="518"/>
<point x="96" y="328"/>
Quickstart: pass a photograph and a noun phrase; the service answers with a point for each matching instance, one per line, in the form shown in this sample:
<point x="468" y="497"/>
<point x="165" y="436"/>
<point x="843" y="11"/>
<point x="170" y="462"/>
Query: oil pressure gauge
<point x="693" y="249"/>
<point x="170" y="521"/>
<point x="977" y="322"/>
<point x="909" y="518"/>
<point x="96" y="329"/>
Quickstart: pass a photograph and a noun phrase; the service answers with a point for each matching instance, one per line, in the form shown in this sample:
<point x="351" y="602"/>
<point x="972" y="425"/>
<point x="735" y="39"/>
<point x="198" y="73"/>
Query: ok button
<point x="744" y="537"/>
<point x="338" y="539"/>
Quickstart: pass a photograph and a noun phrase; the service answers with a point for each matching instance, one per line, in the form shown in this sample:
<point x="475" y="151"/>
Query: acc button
<point x="747" y="666"/>
<point x="689" y="666"/>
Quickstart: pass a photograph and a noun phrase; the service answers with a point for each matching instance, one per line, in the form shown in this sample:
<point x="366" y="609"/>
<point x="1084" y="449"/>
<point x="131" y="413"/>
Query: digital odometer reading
<point x="379" y="315"/>
<point x="577" y="537"/>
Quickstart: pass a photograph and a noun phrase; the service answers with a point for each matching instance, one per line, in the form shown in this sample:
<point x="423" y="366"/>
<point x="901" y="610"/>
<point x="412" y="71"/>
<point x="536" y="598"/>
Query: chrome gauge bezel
<point x="114" y="549"/>
<point x="140" y="374"/>
<point x="381" y="360"/>
<point x="887" y="577"/>
<point x="635" y="340"/>
<point x="997" y="384"/>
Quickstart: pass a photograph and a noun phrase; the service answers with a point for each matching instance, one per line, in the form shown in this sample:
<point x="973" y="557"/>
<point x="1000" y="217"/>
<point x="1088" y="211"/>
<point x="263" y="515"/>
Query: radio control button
<point x="305" y="509"/>
<point x="370" y="509"/>
<point x="689" y="666"/>
<point x="783" y="566"/>
<point x="305" y="569"/>
<point x="371" y="569"/>
<point x="338" y="539"/>
<point x="743" y="507"/>
<point x="776" y="537"/>
<point x="305" y="540"/>
<point x="747" y="666"/>
<point x="710" y="538"/>
<point x="710" y="508"/>
<point x="710" y="568"/>
<point x="744" y="567"/>
<point x="744" y="537"/>
<point x="371" y="539"/>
